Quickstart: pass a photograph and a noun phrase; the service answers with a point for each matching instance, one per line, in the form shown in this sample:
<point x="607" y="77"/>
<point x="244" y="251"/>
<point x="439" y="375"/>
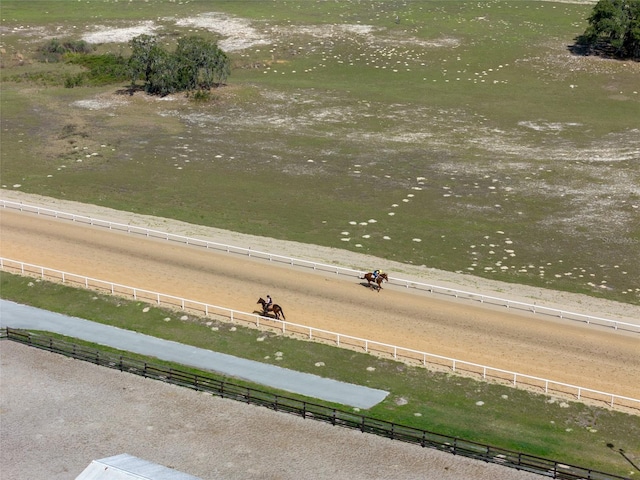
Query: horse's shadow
<point x="262" y="314"/>
<point x="371" y="286"/>
<point x="374" y="282"/>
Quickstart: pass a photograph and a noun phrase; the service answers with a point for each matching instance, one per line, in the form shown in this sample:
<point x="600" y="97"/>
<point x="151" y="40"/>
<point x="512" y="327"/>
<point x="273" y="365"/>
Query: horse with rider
<point x="269" y="307"/>
<point x="375" y="279"/>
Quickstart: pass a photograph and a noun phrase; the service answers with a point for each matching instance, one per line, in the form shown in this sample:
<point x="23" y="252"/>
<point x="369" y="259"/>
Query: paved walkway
<point x="14" y="315"/>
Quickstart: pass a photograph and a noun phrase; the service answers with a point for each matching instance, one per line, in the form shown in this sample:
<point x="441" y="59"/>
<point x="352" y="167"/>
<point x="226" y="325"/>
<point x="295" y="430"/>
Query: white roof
<point x="128" y="467"/>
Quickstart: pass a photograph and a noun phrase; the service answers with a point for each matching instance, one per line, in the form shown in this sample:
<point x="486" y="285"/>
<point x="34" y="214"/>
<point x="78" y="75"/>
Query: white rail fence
<point x="407" y="355"/>
<point x="461" y="294"/>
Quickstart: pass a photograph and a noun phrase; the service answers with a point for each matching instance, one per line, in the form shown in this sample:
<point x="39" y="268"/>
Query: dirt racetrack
<point x="83" y="412"/>
<point x="565" y="351"/>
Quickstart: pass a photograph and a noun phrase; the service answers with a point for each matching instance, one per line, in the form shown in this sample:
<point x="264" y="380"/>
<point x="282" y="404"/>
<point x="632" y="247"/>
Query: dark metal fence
<point x="456" y="446"/>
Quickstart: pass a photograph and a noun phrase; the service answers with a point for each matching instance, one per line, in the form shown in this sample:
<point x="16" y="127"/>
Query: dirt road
<point x="570" y="352"/>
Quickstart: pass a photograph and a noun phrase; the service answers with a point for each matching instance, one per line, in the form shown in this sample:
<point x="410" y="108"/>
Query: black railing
<point x="279" y="403"/>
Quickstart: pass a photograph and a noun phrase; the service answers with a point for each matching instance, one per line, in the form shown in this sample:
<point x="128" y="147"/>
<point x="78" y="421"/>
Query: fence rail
<point x="406" y="355"/>
<point x="205" y="383"/>
<point x="460" y="294"/>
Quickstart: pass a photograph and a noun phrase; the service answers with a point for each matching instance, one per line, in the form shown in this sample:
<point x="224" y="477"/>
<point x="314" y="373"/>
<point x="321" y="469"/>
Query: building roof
<point x="128" y="467"/>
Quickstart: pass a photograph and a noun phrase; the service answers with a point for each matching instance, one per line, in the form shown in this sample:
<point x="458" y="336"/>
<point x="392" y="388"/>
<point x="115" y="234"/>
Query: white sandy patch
<point x="448" y="42"/>
<point x="548" y="126"/>
<point x="98" y="103"/>
<point x="24" y="30"/>
<point x="327" y="31"/>
<point x="119" y="35"/>
<point x="238" y="31"/>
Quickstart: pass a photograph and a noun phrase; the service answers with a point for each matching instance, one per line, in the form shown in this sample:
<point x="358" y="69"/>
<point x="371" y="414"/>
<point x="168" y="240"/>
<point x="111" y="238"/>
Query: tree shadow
<point x="580" y="49"/>
<point x="130" y="90"/>
<point x="585" y="47"/>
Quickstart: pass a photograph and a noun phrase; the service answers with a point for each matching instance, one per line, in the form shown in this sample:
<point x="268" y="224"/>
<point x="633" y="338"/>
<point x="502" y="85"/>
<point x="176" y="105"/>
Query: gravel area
<point x="59" y="414"/>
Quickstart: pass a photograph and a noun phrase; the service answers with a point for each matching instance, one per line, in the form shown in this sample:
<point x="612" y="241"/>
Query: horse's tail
<point x="277" y="311"/>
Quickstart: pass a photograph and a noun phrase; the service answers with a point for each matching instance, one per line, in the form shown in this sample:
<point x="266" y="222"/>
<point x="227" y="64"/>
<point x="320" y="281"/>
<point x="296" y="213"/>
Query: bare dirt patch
<point x="84" y="412"/>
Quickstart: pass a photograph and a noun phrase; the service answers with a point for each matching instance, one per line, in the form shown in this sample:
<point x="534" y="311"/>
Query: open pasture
<point x="457" y="135"/>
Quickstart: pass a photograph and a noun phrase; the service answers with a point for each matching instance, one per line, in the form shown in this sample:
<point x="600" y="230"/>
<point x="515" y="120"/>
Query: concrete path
<point x="14" y="315"/>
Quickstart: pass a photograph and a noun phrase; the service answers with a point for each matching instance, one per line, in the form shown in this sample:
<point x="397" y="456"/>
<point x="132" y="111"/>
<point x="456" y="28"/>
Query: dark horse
<point x="275" y="309"/>
<point x="377" y="282"/>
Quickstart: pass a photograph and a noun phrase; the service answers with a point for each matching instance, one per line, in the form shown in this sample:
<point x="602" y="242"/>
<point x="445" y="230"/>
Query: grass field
<point x="569" y="432"/>
<point x="459" y="135"/>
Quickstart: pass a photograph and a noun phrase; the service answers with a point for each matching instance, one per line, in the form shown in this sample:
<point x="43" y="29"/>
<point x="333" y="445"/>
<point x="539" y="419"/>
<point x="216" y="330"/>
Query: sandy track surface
<point x="571" y="352"/>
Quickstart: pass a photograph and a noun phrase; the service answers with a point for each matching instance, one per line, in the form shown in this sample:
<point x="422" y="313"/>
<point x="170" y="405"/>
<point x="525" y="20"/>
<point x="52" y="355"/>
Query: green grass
<point x="501" y="140"/>
<point x="39" y="12"/>
<point x="443" y="403"/>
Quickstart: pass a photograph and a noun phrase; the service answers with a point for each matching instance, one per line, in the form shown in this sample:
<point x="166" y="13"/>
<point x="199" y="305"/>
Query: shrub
<point x="53" y="50"/>
<point x="102" y="69"/>
<point x="71" y="81"/>
<point x="200" y="96"/>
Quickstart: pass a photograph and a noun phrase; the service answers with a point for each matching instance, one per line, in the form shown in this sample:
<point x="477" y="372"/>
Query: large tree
<point x="196" y="64"/>
<point x="614" y="29"/>
<point x="143" y="48"/>
<point x="204" y="64"/>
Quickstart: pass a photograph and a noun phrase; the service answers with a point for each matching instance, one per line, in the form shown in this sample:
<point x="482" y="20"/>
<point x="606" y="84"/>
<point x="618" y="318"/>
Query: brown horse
<point x="377" y="282"/>
<point x="275" y="309"/>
